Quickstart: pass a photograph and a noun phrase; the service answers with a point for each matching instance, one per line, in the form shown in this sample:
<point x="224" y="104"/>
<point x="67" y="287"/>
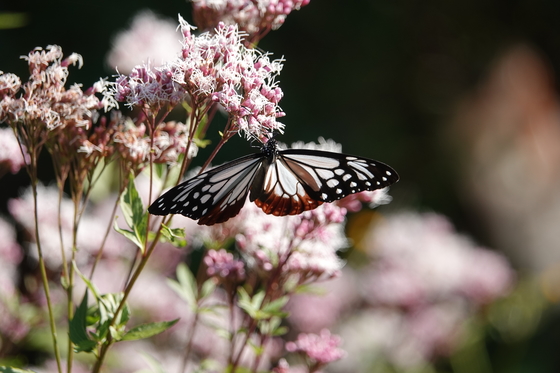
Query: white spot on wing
<point x="332" y="183"/>
<point x="325" y="174"/>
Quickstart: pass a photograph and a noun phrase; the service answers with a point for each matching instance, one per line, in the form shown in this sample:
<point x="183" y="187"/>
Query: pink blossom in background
<point x="11" y="159"/>
<point x="420" y="258"/>
<point x="90" y="232"/>
<point x="150" y="38"/>
<point x="11" y="255"/>
<point x="329" y="300"/>
<point x="322" y="348"/>
<point x="222" y="265"/>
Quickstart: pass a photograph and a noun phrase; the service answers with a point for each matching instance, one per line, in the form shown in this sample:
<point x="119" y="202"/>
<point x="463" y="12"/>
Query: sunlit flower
<point x="44" y="98"/>
<point x="219" y="68"/>
<point x="256" y="18"/>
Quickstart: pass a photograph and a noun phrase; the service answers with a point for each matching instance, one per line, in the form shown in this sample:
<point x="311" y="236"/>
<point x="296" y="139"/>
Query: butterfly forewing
<point x="213" y="196"/>
<point x="336" y="175"/>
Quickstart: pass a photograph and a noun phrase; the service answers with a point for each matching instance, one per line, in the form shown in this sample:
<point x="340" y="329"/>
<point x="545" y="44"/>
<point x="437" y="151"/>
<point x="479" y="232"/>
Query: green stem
<point x="43" y="270"/>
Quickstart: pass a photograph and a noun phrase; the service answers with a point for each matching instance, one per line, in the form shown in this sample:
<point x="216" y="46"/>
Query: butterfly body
<point x="280" y="182"/>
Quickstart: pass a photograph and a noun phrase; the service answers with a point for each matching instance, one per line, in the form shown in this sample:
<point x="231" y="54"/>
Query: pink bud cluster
<point x="44" y="99"/>
<point x="222" y="265"/>
<point x="256" y="18"/>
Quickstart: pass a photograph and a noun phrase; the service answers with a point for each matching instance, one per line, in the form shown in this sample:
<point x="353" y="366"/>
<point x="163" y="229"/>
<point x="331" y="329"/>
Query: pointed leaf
<point x="175" y="236"/>
<point x="148" y="330"/>
<point x="77" y="328"/>
<point x="186" y="285"/>
<point x="130" y="235"/>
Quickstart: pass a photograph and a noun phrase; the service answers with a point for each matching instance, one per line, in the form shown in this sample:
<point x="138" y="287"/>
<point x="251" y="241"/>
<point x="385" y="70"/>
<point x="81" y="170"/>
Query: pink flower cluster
<point x="322" y="348"/>
<point x="253" y="17"/>
<point x="212" y="68"/>
<point x="44" y="98"/>
<point x="148" y="87"/>
<point x="420" y="259"/>
<point x="217" y="66"/>
<point x="222" y="264"/>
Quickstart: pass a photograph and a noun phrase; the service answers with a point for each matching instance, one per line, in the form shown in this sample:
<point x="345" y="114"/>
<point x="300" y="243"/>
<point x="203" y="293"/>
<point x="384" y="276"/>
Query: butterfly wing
<point x="213" y="196"/>
<point x="302" y="179"/>
<point x="279" y="191"/>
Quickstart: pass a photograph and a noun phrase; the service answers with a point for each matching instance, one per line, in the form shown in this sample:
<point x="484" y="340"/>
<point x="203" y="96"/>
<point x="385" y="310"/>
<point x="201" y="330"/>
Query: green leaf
<point x="130" y="235"/>
<point x="159" y="168"/>
<point x="77" y="328"/>
<point x="148" y="330"/>
<point x="14" y="370"/>
<point x="207" y="288"/>
<point x="280" y="331"/>
<point x="175" y="236"/>
<point x="133" y="210"/>
<point x="275" y="307"/>
<point x="185" y="286"/>
<point x="250" y="305"/>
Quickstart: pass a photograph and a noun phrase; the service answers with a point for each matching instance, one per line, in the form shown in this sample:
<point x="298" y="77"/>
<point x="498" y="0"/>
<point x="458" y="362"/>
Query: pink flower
<point x="44" y="98"/>
<point x="11" y="158"/>
<point x="320" y="348"/>
<point x="419" y="257"/>
<point x="256" y="18"/>
<point x="149" y="38"/>
<point x="217" y="67"/>
<point x="222" y="264"/>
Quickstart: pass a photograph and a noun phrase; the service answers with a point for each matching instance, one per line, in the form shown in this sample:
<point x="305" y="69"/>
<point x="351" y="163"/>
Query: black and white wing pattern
<point x="280" y="182"/>
<point x="213" y="196"/>
<point x="302" y="179"/>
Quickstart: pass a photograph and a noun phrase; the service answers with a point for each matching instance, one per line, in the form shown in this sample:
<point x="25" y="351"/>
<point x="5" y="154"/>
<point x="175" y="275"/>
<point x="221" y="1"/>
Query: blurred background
<point x="460" y="97"/>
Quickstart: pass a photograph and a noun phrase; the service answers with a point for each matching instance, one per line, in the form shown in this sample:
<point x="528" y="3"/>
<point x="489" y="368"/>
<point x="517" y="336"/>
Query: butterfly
<point x="280" y="182"/>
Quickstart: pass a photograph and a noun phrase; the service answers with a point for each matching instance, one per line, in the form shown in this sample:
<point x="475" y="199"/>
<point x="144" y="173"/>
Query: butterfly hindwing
<point x="213" y="196"/>
<point x="278" y="191"/>
<point x="331" y="176"/>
